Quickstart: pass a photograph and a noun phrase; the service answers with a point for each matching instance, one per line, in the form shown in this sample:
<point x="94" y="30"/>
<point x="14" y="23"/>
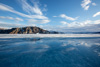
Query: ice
<point x="46" y="35"/>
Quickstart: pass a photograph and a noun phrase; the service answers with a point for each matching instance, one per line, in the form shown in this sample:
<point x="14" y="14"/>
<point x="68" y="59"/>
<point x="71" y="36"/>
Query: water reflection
<point x="50" y="52"/>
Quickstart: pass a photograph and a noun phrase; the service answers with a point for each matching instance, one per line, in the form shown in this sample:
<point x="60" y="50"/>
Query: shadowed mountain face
<point x="24" y="30"/>
<point x="2" y="29"/>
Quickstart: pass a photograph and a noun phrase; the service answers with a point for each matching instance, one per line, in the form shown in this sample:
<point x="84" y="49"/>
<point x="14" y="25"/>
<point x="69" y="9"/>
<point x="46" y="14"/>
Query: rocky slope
<point x="25" y="30"/>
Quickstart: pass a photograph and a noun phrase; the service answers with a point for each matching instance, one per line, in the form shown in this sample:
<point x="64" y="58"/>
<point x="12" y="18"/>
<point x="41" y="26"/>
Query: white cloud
<point x="80" y="24"/>
<point x="18" y="19"/>
<point x="67" y="17"/>
<point x="34" y="16"/>
<point x="13" y="25"/>
<point x="11" y="18"/>
<point x="98" y="13"/>
<point x="10" y="9"/>
<point x="97" y="22"/>
<point x="31" y="9"/>
<point x="5" y="7"/>
<point x="94" y="4"/>
<point x="38" y="21"/>
<point x="89" y="26"/>
<point x="10" y="25"/>
<point x="85" y="4"/>
<point x="87" y="7"/>
<point x="64" y="23"/>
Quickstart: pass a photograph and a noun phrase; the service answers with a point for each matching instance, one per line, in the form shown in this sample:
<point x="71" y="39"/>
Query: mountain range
<point x="37" y="30"/>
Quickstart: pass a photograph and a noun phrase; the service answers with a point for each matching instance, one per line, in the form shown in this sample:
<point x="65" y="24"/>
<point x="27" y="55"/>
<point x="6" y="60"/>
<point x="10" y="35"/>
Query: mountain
<point x="82" y="32"/>
<point x="2" y="29"/>
<point x="25" y="30"/>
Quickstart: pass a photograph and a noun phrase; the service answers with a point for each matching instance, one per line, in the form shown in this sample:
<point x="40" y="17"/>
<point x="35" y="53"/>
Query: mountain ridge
<point x="26" y="30"/>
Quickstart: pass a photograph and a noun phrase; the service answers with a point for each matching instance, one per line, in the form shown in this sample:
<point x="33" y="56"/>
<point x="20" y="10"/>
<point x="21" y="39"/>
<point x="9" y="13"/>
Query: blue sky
<point x="58" y="15"/>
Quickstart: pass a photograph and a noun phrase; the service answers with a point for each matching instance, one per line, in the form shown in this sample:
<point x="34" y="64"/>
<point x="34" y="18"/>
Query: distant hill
<point x="26" y="30"/>
<point x="82" y="33"/>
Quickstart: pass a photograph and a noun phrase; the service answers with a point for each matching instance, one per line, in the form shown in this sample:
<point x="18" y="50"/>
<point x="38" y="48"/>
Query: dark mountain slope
<point x="24" y="30"/>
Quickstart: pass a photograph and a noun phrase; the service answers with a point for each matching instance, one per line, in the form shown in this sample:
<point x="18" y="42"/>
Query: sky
<point x="56" y="15"/>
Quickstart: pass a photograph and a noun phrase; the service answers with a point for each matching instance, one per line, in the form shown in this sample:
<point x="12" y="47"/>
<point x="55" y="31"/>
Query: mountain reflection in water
<point x="50" y="52"/>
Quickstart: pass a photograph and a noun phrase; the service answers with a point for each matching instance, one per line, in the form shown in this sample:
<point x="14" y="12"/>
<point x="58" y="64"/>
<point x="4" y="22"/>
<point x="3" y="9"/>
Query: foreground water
<point x="50" y="52"/>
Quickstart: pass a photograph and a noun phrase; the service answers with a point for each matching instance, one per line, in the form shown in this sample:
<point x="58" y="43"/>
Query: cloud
<point x="18" y="19"/>
<point x="76" y="27"/>
<point x="11" y="18"/>
<point x="89" y="28"/>
<point x="67" y="17"/>
<point x="85" y="4"/>
<point x="10" y="25"/>
<point x="31" y="9"/>
<point x="80" y="24"/>
<point x="94" y="4"/>
<point x="63" y="22"/>
<point x="10" y="9"/>
<point x="38" y="21"/>
<point x="96" y="14"/>
<point x="34" y="16"/>
<point x="13" y="25"/>
<point x="5" y="7"/>
<point x="97" y="22"/>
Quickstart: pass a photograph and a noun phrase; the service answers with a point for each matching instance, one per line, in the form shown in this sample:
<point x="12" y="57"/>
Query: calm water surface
<point x="50" y="52"/>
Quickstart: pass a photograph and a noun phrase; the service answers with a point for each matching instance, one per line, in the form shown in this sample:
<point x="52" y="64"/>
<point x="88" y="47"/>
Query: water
<point x="50" y="52"/>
